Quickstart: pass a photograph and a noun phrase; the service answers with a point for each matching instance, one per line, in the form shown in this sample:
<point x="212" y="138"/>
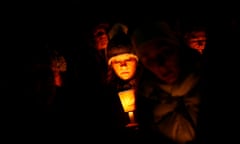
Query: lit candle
<point x="132" y="123"/>
<point x="128" y="100"/>
<point x="131" y="117"/>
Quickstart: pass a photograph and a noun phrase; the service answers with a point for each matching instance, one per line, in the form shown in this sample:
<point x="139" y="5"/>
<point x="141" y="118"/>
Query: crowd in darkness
<point x="67" y="29"/>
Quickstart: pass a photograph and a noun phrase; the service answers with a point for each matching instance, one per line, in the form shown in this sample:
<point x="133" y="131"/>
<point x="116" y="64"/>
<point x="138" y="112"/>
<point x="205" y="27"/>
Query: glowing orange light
<point x="128" y="102"/>
<point x="57" y="79"/>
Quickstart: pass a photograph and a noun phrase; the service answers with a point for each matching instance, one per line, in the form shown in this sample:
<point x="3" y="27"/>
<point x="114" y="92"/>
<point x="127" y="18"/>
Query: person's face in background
<point x="161" y="60"/>
<point x="196" y="40"/>
<point x="124" y="66"/>
<point x="100" y="38"/>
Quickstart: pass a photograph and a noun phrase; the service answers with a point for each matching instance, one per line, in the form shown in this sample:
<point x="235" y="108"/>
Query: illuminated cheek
<point x="192" y="44"/>
<point x="116" y="70"/>
<point x="100" y="44"/>
<point x="133" y="70"/>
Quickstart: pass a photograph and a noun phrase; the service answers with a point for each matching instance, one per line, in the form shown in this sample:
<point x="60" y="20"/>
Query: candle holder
<point x="127" y="99"/>
<point x="132" y="123"/>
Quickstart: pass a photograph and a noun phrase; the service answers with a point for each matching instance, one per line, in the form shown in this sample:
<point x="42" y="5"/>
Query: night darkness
<point x="31" y="26"/>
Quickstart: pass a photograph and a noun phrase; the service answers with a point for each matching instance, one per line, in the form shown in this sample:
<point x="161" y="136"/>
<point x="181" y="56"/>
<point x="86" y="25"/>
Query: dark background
<point x="28" y="26"/>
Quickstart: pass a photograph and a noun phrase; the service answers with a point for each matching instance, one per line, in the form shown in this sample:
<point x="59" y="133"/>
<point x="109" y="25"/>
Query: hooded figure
<point x="122" y="69"/>
<point x="121" y="57"/>
<point x="168" y="89"/>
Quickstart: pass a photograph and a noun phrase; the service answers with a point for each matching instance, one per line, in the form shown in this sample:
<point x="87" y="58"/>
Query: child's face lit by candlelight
<point x="124" y="65"/>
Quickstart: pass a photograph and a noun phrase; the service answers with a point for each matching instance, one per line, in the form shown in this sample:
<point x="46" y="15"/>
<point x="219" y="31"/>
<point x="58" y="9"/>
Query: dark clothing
<point x="169" y="112"/>
<point x="99" y="65"/>
<point x="49" y="98"/>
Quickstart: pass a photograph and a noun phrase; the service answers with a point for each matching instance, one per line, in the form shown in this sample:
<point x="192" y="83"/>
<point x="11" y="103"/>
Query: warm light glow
<point x="132" y="123"/>
<point x="58" y="64"/>
<point x="197" y="40"/>
<point x="124" y="65"/>
<point x="131" y="117"/>
<point x="128" y="100"/>
<point x="57" y="79"/>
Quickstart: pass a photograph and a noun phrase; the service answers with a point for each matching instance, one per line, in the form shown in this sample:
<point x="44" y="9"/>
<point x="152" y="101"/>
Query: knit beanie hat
<point x="146" y="33"/>
<point x="120" y="42"/>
